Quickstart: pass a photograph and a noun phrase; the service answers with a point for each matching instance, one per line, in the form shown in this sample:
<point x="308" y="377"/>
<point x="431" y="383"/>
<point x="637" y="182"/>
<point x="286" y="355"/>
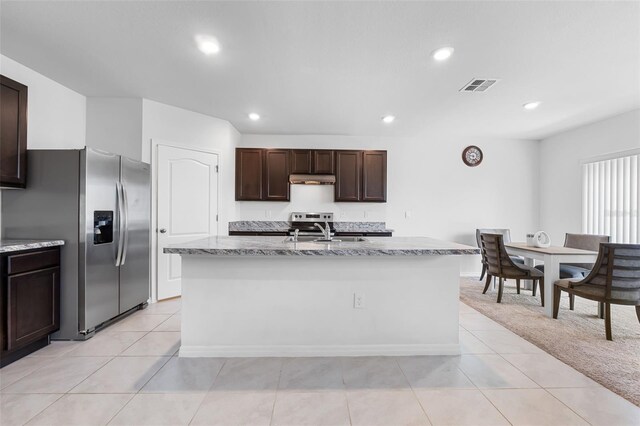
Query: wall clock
<point x="472" y="156"/>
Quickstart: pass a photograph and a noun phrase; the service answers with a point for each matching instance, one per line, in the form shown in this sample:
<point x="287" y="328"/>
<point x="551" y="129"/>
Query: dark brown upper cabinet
<point x="322" y="161"/>
<point x="249" y="164"/>
<point x="348" y="176"/>
<point x="275" y="180"/>
<point x="301" y="161"/>
<point x="374" y="176"/>
<point x="13" y="133"/>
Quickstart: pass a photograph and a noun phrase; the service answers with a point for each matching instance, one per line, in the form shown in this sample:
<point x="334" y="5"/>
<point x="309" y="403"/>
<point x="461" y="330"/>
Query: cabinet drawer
<point x="32" y="261"/>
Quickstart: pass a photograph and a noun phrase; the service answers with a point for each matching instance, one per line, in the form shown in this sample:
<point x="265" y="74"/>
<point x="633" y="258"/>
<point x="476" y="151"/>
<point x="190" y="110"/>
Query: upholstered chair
<point x="501" y="266"/>
<point x="506" y="233"/>
<point x="614" y="279"/>
<point x="578" y="270"/>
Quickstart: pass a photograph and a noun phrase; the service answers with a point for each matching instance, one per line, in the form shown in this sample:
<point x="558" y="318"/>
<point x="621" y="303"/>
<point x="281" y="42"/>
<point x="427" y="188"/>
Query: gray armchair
<point x="614" y="279"/>
<point x="578" y="270"/>
<point x="506" y="237"/>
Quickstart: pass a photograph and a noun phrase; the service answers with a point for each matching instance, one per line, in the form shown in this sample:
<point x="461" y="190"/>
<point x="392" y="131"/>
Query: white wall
<point x="560" y="171"/>
<point x="115" y="125"/>
<point x="427" y="178"/>
<point x="56" y="114"/>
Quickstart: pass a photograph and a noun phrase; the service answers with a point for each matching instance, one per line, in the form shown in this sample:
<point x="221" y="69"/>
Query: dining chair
<point x="502" y="266"/>
<point x="614" y="279"/>
<point x="578" y="270"/>
<point x="506" y="233"/>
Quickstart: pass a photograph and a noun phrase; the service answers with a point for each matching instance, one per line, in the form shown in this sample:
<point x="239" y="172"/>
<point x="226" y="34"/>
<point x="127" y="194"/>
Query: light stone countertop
<point x="282" y="226"/>
<point x="8" y="246"/>
<point x="276" y="246"/>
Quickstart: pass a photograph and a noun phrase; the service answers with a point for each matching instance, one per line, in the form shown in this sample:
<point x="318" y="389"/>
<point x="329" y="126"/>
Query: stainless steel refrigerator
<point x="99" y="203"/>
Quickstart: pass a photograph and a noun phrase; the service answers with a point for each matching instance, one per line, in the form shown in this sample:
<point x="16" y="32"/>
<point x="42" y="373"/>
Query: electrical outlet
<point x="267" y="214"/>
<point x="407" y="214"/>
<point x="358" y="301"/>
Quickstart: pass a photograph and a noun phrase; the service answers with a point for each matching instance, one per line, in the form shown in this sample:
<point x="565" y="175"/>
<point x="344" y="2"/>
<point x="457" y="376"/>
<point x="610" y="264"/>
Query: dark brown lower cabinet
<point x="30" y="302"/>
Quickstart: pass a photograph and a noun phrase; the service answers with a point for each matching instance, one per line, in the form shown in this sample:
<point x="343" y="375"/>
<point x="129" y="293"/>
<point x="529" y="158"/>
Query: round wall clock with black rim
<point x="472" y="156"/>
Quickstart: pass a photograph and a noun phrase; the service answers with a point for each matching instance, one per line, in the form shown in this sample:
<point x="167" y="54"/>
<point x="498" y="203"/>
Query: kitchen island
<point x="265" y="296"/>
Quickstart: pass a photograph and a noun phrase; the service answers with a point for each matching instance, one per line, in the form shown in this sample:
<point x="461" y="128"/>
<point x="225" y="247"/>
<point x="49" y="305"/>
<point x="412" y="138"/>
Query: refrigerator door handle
<point x="120" y="224"/>
<point x="125" y="215"/>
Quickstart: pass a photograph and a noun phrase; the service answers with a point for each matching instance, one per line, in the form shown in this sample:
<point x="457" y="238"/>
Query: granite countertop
<point x="7" y="246"/>
<point x="281" y="226"/>
<point x="276" y="246"/>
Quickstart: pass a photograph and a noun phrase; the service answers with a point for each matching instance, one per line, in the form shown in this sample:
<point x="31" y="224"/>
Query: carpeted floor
<point x="577" y="337"/>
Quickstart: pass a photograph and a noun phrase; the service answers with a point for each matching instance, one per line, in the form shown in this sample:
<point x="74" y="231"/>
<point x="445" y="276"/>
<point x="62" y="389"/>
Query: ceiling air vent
<point x="479" y="85"/>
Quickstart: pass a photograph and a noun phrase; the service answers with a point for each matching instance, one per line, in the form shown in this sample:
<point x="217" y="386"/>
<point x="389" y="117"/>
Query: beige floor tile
<point x="155" y="344"/>
<point x="477" y="321"/>
<point x="121" y="375"/>
<point x="506" y="342"/>
<point x="311" y="373"/>
<point x="493" y="371"/>
<point x="466" y="309"/>
<point x="56" y="349"/>
<point x="223" y="408"/>
<point x="373" y="373"/>
<point x="185" y="375"/>
<point x="532" y="407"/>
<point x="548" y="371"/>
<point x="159" y="409"/>
<point x="58" y="376"/>
<point x="19" y="369"/>
<point x="249" y="374"/>
<point x="385" y="407"/>
<point x="82" y="410"/>
<point x="107" y="344"/>
<point x="170" y="306"/>
<point x="16" y="409"/>
<point x="434" y="372"/>
<point x="599" y="406"/>
<point x="138" y="322"/>
<point x="311" y="408"/>
<point x="459" y="407"/>
<point x="172" y="324"/>
<point x="470" y="344"/>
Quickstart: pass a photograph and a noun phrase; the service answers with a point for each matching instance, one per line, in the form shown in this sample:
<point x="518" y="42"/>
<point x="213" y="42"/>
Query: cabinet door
<point x="374" y="176"/>
<point x="348" y="175"/>
<point x="300" y="161"/>
<point x="249" y="163"/>
<point x="33" y="301"/>
<point x="323" y="162"/>
<point x="276" y="175"/>
<point x="13" y="133"/>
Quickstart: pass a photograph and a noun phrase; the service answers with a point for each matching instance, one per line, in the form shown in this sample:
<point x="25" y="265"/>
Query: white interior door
<point x="187" y="207"/>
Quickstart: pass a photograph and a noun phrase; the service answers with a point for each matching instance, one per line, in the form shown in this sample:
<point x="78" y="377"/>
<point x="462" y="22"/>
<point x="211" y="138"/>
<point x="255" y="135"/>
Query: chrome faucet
<point x="326" y="230"/>
<point x="296" y="232"/>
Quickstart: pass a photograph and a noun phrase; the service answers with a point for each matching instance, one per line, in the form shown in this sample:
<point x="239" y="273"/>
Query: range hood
<point x="302" y="179"/>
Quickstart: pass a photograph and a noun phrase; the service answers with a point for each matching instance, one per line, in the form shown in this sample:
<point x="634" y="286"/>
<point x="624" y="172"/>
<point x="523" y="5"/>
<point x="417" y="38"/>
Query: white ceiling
<point x="337" y="67"/>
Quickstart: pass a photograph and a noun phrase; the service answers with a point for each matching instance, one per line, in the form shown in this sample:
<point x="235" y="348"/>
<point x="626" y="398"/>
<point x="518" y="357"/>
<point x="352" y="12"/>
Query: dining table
<point x="552" y="257"/>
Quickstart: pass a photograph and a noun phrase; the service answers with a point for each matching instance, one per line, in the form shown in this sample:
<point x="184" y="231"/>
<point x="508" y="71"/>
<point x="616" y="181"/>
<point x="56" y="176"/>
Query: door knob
<point x="163" y="231"/>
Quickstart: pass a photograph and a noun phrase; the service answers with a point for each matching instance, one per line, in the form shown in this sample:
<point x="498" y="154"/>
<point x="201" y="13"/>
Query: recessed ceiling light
<point x="388" y="119"/>
<point x="254" y="116"/>
<point x="442" y="54"/>
<point x="531" y="105"/>
<point x="207" y="44"/>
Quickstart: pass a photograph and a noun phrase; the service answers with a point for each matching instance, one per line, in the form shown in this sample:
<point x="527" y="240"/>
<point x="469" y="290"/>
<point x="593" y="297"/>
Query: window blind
<point x="611" y="197"/>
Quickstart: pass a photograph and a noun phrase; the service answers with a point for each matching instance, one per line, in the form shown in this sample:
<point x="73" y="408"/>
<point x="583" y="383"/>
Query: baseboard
<point x="470" y="274"/>
<point x="317" y="350"/>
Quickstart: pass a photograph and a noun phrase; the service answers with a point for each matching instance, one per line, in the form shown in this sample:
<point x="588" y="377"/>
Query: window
<point x="611" y="196"/>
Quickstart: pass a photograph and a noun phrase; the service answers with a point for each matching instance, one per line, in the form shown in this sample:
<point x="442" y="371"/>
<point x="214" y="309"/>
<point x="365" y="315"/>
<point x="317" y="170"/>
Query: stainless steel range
<point x="305" y="224"/>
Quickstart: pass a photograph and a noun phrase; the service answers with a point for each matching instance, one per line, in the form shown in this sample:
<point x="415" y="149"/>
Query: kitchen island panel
<point x="247" y="306"/>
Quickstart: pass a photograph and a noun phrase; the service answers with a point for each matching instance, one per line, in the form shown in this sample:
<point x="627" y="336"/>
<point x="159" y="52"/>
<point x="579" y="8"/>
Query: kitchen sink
<point x="314" y="239"/>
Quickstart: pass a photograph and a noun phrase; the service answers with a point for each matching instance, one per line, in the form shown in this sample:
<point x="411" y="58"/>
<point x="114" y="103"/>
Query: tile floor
<point x="130" y="374"/>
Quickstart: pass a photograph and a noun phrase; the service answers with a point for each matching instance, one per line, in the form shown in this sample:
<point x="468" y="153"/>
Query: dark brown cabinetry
<point x="374" y="176"/>
<point x="30" y="301"/>
<point x="276" y="175"/>
<point x="249" y="174"/>
<point x="13" y="133"/>
<point x="263" y="174"/>
<point x="348" y="175"/>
